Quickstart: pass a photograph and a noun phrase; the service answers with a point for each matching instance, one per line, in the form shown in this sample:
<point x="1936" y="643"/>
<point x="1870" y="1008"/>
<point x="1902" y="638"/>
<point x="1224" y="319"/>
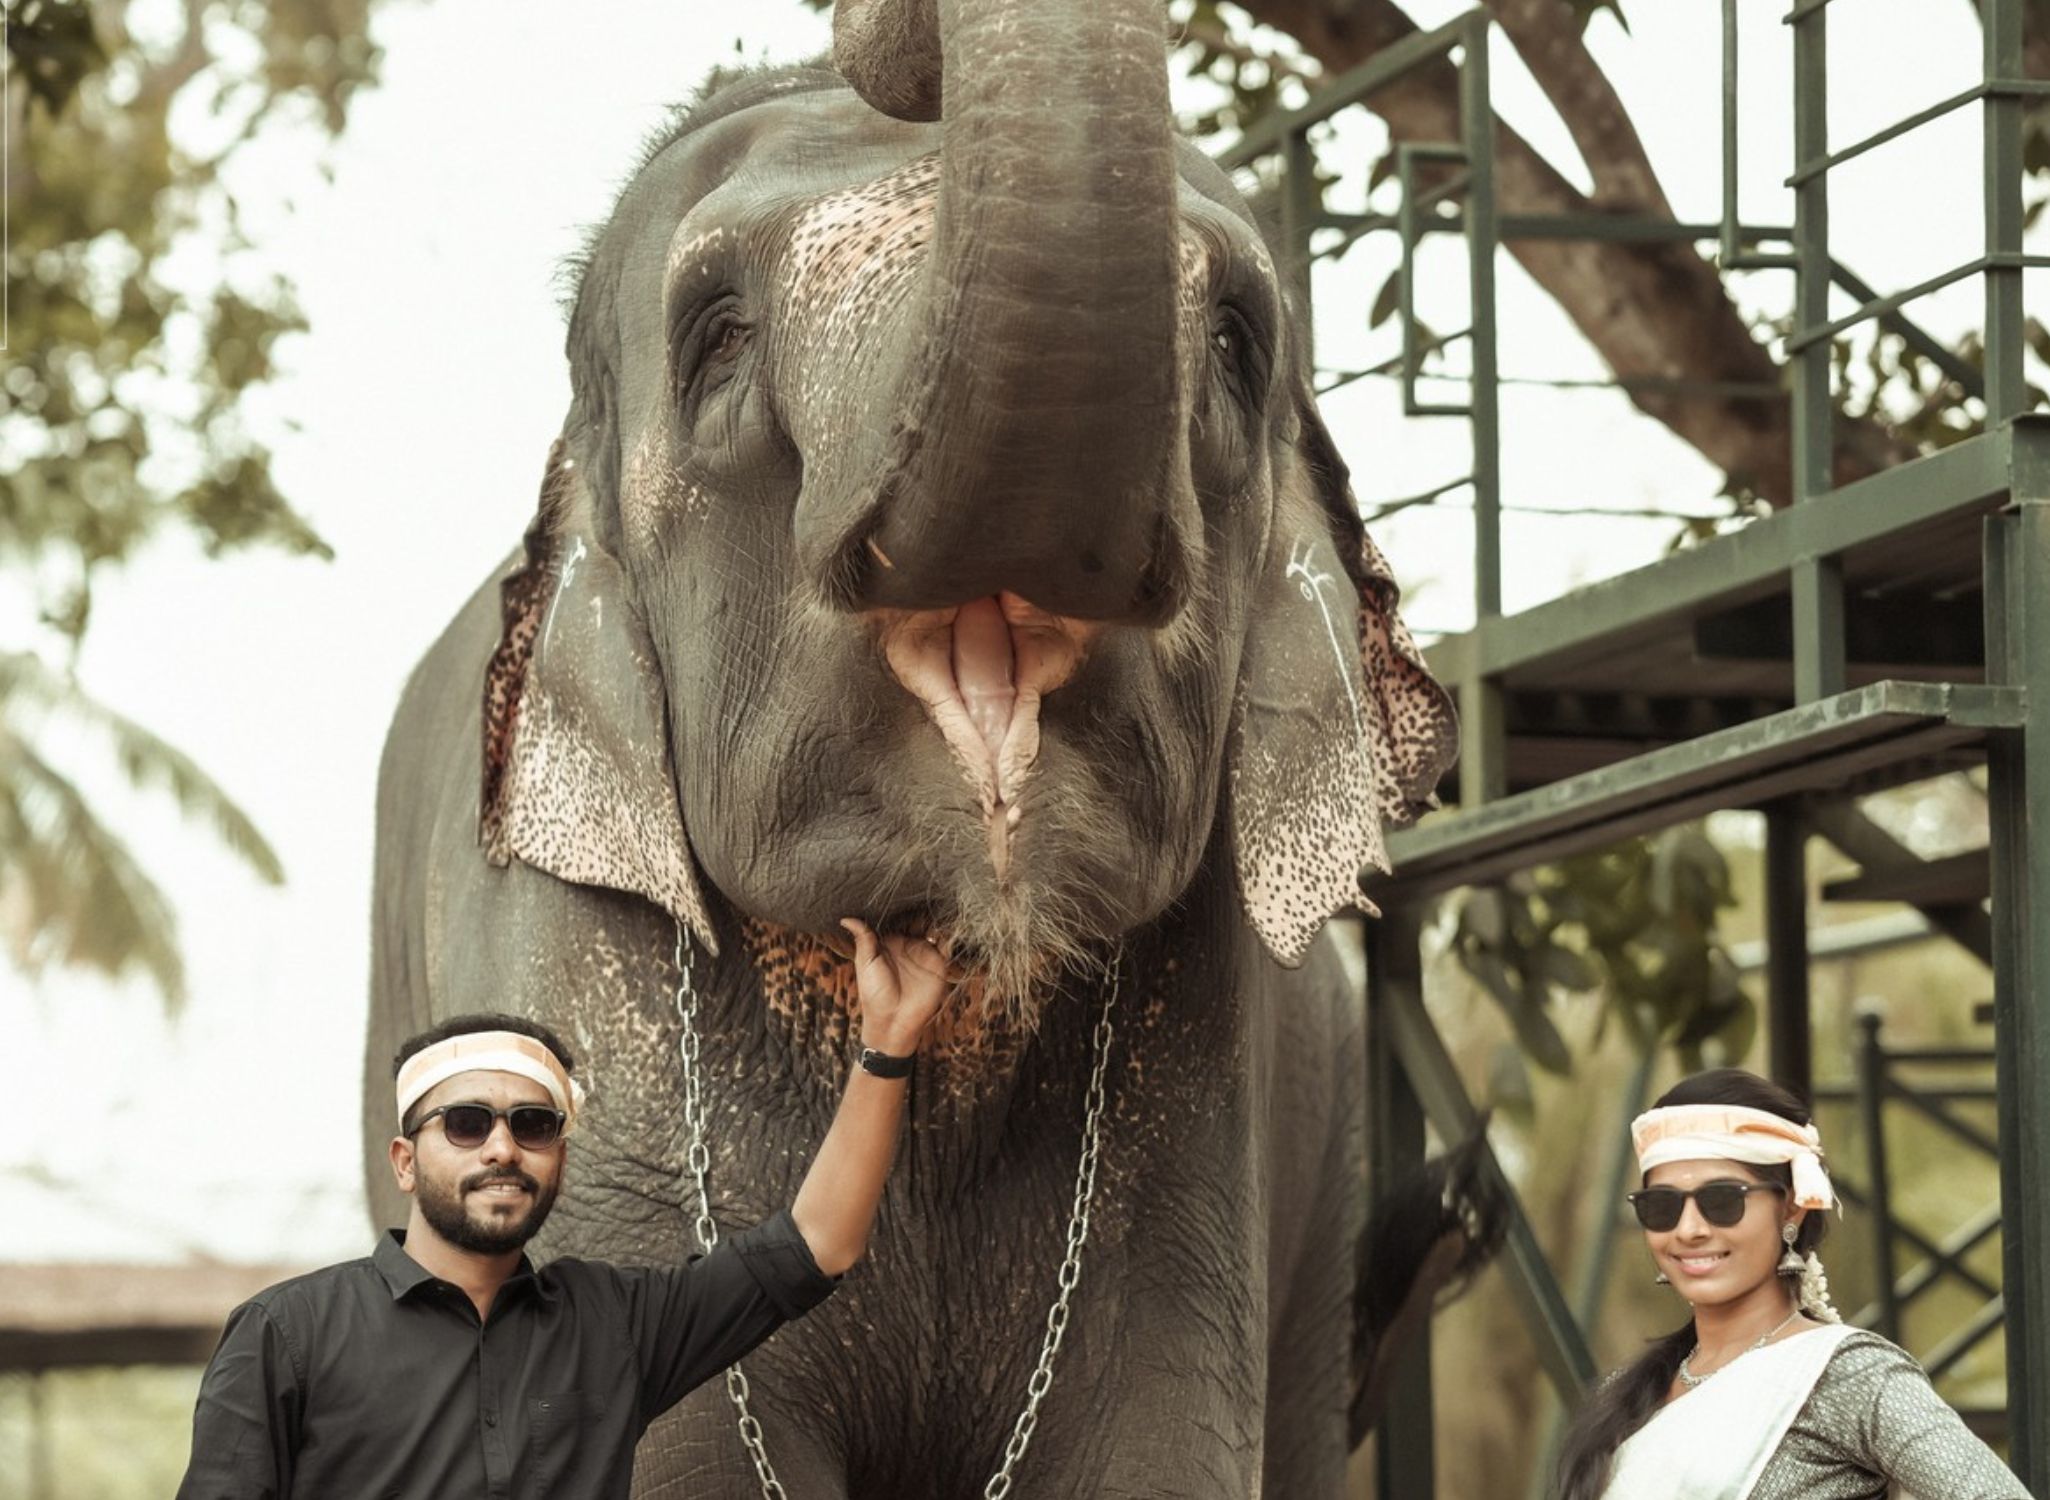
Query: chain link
<point x="699" y="1159"/>
<point x="700" y="1162"/>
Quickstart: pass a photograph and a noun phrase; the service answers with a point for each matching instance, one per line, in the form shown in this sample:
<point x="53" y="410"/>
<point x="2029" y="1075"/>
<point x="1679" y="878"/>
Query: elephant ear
<point x="576" y="738"/>
<point x="1337" y="726"/>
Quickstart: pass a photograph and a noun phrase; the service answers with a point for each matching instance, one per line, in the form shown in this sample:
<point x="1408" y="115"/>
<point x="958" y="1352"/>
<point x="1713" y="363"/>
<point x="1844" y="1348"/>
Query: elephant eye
<point x="1243" y="358"/>
<point x="728" y="337"/>
<point x="706" y="348"/>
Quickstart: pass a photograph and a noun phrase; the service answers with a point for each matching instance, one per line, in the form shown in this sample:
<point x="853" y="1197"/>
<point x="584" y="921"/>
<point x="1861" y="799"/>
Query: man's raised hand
<point x="902" y="981"/>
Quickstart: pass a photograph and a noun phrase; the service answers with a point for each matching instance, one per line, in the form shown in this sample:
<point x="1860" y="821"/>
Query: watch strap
<point x="883" y="1065"/>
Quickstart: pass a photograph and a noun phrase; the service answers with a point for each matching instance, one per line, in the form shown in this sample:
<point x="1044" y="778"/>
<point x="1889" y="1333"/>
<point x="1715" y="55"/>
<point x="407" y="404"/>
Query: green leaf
<point x="2037" y="337"/>
<point x="1382" y="171"/>
<point x="1567" y="969"/>
<point x="1540" y="1038"/>
<point x="52" y="48"/>
<point x="1483" y="917"/>
<point x="1510" y="1090"/>
<point x="1386" y="300"/>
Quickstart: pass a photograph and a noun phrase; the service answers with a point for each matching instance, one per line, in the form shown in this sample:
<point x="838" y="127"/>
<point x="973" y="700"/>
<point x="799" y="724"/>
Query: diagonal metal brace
<point x="1561" y="1346"/>
<point x="1861" y="839"/>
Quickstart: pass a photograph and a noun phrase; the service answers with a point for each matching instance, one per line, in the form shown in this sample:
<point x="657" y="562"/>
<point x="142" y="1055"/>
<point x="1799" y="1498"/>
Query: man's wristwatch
<point x="883" y="1065"/>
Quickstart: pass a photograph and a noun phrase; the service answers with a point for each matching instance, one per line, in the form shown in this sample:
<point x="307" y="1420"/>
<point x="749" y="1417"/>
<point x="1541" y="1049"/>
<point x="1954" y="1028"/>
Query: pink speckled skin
<point x="834" y="370"/>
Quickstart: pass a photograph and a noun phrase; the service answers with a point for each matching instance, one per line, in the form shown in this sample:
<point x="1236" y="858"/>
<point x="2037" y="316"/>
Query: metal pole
<point x="1477" y="126"/>
<point x="1872" y="1120"/>
<point x="1483" y="740"/>
<point x="1591" y="1280"/>
<point x="1299" y="207"/>
<point x="1405" y="1466"/>
<point x="2018" y="779"/>
<point x="2007" y="392"/>
<point x="1812" y="412"/>
<point x="1820" y="650"/>
<point x="1790" y="1050"/>
<point x="1817" y="582"/>
<point x="1730" y="243"/>
<point x="1730" y="252"/>
<point x="1561" y="1346"/>
<point x="1484" y="770"/>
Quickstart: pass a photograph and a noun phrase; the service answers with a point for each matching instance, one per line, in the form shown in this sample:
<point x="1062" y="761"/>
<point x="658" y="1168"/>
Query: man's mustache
<point x="486" y="1179"/>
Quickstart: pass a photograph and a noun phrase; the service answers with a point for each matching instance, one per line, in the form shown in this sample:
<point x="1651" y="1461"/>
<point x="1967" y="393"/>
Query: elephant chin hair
<point x="1019" y="936"/>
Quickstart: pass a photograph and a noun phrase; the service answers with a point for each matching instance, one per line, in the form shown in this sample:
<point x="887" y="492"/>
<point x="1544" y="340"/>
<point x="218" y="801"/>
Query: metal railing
<point x="1815" y="582"/>
<point x="1942" y="1260"/>
<point x="1448" y="187"/>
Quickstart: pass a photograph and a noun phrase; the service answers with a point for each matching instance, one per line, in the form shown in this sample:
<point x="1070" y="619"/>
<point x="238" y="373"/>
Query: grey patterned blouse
<point x="1874" y="1419"/>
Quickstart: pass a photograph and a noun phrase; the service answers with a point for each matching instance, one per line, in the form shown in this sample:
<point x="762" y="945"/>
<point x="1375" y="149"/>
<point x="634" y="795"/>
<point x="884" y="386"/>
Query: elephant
<point x="943" y="532"/>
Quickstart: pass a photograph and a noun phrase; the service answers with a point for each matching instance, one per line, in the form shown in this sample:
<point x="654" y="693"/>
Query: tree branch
<point x="1652" y="311"/>
<point x="1580" y="91"/>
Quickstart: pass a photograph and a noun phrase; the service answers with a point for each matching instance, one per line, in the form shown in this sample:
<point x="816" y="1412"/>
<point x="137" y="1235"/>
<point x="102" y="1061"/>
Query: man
<point x="444" y="1365"/>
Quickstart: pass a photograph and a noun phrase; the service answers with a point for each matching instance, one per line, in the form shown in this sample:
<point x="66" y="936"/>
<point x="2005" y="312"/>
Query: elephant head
<point x="942" y="529"/>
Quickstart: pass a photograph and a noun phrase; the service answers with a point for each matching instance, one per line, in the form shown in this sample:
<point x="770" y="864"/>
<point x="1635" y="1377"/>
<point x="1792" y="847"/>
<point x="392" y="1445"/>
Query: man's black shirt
<point x="376" y="1379"/>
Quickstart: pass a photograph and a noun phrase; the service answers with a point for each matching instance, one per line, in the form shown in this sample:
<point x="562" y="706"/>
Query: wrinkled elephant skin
<point x="968" y="565"/>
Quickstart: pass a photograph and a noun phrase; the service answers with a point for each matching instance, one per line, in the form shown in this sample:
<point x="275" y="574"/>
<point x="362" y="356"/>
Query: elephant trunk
<point x="1036" y="444"/>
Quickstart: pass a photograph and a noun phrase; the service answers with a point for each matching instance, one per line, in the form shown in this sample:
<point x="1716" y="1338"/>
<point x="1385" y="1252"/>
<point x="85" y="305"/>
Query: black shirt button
<point x="491" y="1419"/>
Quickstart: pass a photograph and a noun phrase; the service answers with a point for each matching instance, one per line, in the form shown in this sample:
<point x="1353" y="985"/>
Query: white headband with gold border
<point x="1731" y="1132"/>
<point x="489" y="1052"/>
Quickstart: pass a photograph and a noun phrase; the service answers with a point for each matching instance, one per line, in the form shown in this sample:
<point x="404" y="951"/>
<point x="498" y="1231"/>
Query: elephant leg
<point x="1210" y="1471"/>
<point x="1175" y="1377"/>
<point x="1309" y="1367"/>
<point x="1319" y="1216"/>
<point x="694" y="1452"/>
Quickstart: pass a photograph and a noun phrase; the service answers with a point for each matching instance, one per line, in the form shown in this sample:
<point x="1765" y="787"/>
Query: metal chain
<point x="699" y="1159"/>
<point x="1078" y="1235"/>
<point x="700" y="1162"/>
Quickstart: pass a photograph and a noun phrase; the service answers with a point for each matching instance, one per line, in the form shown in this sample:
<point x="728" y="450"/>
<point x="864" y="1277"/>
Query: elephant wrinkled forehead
<point x="821" y="166"/>
<point x="865" y="235"/>
<point x="783" y="148"/>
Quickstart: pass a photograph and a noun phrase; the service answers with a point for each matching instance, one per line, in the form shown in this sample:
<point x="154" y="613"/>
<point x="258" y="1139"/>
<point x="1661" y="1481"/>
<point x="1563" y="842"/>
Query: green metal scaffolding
<point x="1790" y="706"/>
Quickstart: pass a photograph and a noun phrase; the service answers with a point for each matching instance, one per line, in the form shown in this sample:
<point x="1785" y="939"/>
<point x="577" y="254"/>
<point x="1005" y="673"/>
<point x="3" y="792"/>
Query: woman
<point x="1765" y="1394"/>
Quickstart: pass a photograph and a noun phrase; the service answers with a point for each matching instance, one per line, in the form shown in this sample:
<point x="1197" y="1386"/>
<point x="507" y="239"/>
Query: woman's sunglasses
<point x="1721" y="1203"/>
<point x="535" y="1127"/>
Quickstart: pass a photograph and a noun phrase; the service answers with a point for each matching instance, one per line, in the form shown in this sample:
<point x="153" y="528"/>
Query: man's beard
<point x="443" y="1208"/>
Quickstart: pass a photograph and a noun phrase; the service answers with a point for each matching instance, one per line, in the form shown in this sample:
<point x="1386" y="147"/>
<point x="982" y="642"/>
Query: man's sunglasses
<point x="535" y="1127"/>
<point x="1721" y="1203"/>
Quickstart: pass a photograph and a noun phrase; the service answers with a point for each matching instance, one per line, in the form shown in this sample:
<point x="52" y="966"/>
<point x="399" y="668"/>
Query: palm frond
<point x="149" y="762"/>
<point x="70" y="892"/>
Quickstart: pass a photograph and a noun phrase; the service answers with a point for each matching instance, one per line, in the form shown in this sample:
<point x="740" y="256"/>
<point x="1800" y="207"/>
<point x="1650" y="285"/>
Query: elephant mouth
<point x="981" y="669"/>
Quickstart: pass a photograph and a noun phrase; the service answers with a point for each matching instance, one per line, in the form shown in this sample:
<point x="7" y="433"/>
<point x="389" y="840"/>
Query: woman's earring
<point x="1791" y="1263"/>
<point x="1662" y="1279"/>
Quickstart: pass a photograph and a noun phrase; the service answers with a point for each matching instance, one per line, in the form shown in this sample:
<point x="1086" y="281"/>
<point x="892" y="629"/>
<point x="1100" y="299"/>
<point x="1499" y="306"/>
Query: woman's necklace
<point x="1689" y="1379"/>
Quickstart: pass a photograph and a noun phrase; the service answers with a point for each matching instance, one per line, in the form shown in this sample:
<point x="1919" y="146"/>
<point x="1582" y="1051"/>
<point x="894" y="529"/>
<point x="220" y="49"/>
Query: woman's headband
<point x="1731" y="1132"/>
<point x="489" y="1052"/>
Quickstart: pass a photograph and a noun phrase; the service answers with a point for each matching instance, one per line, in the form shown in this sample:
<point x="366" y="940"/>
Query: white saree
<point x="1713" y="1443"/>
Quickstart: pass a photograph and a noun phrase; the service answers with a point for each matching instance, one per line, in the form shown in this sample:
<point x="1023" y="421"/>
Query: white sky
<point x="425" y="398"/>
